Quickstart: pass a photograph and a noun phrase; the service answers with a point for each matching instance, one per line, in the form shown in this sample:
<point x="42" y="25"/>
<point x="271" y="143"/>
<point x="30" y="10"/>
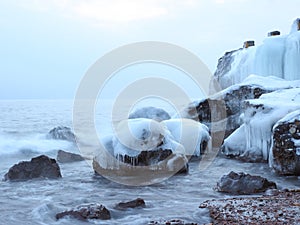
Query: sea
<point x="24" y="125"/>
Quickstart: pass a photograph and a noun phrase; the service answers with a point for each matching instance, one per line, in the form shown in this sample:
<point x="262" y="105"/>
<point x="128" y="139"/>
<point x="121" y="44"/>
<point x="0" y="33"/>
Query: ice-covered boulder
<point x="39" y="167"/>
<point x="140" y="145"/>
<point x="154" y="113"/>
<point x="62" y="133"/>
<point x="285" y="151"/>
<point x="259" y="118"/>
<point x="193" y="135"/>
<point x="277" y="56"/>
<point x="225" y="108"/>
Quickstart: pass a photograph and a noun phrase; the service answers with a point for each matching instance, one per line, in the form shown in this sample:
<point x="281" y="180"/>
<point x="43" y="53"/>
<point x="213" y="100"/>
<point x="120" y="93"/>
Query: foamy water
<point x="24" y="125"/>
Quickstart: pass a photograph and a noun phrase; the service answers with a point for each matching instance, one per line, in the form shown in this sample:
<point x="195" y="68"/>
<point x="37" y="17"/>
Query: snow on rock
<point x="259" y="118"/>
<point x="193" y="135"/>
<point x="154" y="113"/>
<point x="285" y="150"/>
<point x="277" y="56"/>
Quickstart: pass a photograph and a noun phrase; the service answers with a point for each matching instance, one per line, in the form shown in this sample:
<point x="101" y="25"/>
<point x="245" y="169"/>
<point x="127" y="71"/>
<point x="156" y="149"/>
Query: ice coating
<point x="277" y="56"/>
<point x="191" y="134"/>
<point x="139" y="134"/>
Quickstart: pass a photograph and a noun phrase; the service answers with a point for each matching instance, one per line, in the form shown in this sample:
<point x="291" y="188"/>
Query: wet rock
<point x="171" y="222"/>
<point x="285" y="152"/>
<point x="241" y="183"/>
<point x="131" y="204"/>
<point x="67" y="157"/>
<point x="85" y="212"/>
<point x="62" y="133"/>
<point x="39" y="167"/>
<point x="150" y="113"/>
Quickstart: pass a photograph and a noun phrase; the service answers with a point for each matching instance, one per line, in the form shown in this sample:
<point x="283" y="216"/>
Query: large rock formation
<point x="62" y="133"/>
<point x="277" y="56"/>
<point x="154" y="113"/>
<point x="241" y="183"/>
<point x="285" y="151"/>
<point x="85" y="212"/>
<point x="259" y="118"/>
<point x="39" y="167"/>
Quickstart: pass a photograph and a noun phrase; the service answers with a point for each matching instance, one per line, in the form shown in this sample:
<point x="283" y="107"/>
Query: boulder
<point x="67" y="157"/>
<point x="241" y="183"/>
<point x="285" y="151"/>
<point x="39" y="167"/>
<point x="260" y="115"/>
<point x="85" y="212"/>
<point x="154" y="113"/>
<point x="62" y="133"/>
<point x="131" y="204"/>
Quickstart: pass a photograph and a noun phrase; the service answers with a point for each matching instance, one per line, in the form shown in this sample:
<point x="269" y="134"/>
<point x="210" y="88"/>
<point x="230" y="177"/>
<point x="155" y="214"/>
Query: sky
<point x="47" y="46"/>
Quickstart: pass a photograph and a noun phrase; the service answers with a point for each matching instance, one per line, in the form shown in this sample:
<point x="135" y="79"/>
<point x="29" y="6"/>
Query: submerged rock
<point x="131" y="204"/>
<point x="67" y="157"/>
<point x="285" y="152"/>
<point x="85" y="212"/>
<point x="150" y="113"/>
<point x="39" y="167"/>
<point x="241" y="183"/>
<point x="62" y="133"/>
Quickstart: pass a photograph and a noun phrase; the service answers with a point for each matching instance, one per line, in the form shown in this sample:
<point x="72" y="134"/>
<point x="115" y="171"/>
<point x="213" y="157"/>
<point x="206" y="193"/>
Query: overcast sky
<point x="48" y="45"/>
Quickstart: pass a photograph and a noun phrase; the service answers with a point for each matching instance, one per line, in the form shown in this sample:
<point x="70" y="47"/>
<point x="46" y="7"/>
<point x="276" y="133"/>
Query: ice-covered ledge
<point x="259" y="118"/>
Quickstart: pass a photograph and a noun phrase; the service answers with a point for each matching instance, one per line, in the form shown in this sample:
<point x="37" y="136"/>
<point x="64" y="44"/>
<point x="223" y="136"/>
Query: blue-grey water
<point x="23" y="128"/>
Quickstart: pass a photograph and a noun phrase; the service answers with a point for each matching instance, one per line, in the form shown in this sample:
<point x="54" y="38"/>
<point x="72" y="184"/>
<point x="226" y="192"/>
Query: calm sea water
<point x="23" y="129"/>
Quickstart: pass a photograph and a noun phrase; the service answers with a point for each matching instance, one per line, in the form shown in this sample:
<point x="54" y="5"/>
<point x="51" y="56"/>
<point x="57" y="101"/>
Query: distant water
<point x="23" y="129"/>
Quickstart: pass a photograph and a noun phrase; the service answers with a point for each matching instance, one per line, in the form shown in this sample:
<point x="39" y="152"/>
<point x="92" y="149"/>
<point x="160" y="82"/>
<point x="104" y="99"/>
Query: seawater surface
<point x="24" y="125"/>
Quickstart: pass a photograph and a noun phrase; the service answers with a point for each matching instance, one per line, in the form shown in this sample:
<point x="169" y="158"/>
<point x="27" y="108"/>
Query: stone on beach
<point x="39" y="167"/>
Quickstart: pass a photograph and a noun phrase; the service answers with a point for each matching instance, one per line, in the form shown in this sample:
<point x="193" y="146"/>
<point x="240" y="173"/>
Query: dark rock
<point x="148" y="158"/>
<point x="241" y="183"/>
<point x="286" y="145"/>
<point x="171" y="222"/>
<point x="62" y="133"/>
<point x="131" y="204"/>
<point x="85" y="212"/>
<point x="39" y="167"/>
<point x="224" y="64"/>
<point x="150" y="113"/>
<point x="67" y="157"/>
